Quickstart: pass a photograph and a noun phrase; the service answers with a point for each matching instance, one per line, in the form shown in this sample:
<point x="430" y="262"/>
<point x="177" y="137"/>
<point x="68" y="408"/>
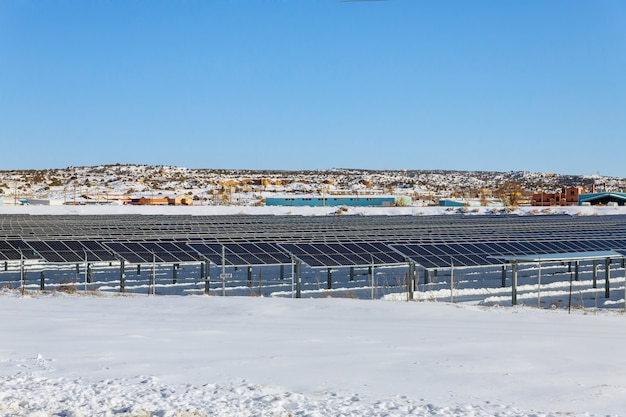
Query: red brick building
<point x="568" y="196"/>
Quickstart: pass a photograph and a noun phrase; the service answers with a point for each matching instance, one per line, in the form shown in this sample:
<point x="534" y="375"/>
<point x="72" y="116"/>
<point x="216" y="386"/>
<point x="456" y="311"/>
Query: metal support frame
<point x="607" y="276"/>
<point x="451" y="280"/>
<point x="122" y="276"/>
<point x="514" y="283"/>
<point x="22" y="274"/>
<point x="206" y="275"/>
<point x="298" y="278"/>
<point x="223" y="274"/>
<point x="410" y="281"/>
<point x="329" y="279"/>
<point x="594" y="273"/>
<point x="371" y="272"/>
<point x="539" y="284"/>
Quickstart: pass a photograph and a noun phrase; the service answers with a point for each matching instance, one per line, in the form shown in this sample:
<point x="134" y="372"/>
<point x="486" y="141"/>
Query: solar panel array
<point x="432" y="256"/>
<point x="320" y="241"/>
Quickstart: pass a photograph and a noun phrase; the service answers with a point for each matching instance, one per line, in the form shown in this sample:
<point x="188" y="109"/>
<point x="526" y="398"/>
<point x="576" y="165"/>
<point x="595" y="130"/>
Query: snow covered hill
<point x="218" y="187"/>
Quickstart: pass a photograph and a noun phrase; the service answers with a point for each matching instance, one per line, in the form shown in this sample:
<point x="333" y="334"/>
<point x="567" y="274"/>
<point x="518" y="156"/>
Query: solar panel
<point x="350" y="254"/>
<point x="242" y="254"/>
<point x="14" y="250"/>
<point x="71" y="251"/>
<point x="148" y="252"/>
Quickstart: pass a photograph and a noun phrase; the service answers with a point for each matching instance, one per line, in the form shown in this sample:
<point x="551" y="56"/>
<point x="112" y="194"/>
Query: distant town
<point x="119" y="184"/>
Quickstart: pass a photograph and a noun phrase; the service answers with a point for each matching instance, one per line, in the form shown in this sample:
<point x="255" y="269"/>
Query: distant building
<point x="180" y="200"/>
<point x="149" y="201"/>
<point x="604" y="199"/>
<point x="42" y="202"/>
<point x="338" y="201"/>
<point x="566" y="197"/>
<point x="470" y="202"/>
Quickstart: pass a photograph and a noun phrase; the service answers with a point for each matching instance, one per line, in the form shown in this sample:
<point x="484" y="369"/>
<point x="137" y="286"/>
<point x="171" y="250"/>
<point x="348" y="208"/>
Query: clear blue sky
<point x="537" y="85"/>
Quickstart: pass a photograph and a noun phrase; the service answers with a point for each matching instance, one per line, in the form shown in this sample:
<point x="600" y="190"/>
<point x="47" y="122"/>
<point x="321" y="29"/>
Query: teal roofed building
<point x="339" y="201"/>
<point x="604" y="198"/>
<point x="469" y="202"/>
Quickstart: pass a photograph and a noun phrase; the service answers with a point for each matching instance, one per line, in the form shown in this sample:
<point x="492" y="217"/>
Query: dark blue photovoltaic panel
<point x="71" y="251"/>
<point x="343" y="254"/>
<point x="242" y="254"/>
<point x="129" y="254"/>
<point x="14" y="250"/>
<point x="153" y="251"/>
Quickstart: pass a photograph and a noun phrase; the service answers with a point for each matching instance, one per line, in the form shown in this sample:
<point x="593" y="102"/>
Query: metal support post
<point x="539" y="284"/>
<point x="249" y="277"/>
<point x="122" y="276"/>
<point x="594" y="273"/>
<point x="153" y="274"/>
<point x="371" y="272"/>
<point x="503" y="276"/>
<point x="410" y="284"/>
<point x="451" y="280"/>
<point x="298" y="271"/>
<point x="42" y="281"/>
<point x="223" y="271"/>
<point x="282" y="272"/>
<point x="22" y="276"/>
<point x="351" y="273"/>
<point x="607" y="276"/>
<point x="206" y="275"/>
<point x="174" y="273"/>
<point x="576" y="270"/>
<point x="514" y="284"/>
<point x="329" y="279"/>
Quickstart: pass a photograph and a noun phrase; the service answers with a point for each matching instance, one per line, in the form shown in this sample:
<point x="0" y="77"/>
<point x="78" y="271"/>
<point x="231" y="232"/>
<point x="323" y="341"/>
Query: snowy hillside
<point x="218" y="187"/>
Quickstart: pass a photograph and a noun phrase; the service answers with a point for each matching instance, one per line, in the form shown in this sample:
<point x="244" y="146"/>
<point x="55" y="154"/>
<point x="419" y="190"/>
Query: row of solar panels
<point x="428" y="255"/>
<point x="302" y="228"/>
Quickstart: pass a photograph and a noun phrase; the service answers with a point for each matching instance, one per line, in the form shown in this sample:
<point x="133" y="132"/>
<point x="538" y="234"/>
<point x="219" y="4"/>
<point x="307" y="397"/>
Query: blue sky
<point x="536" y="85"/>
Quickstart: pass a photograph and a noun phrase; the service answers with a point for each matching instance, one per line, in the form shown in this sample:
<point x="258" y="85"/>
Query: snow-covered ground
<point x="252" y="356"/>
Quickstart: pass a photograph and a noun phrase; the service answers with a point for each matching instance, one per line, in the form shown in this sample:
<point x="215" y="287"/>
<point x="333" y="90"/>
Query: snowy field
<point x="99" y="353"/>
<point x="255" y="356"/>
